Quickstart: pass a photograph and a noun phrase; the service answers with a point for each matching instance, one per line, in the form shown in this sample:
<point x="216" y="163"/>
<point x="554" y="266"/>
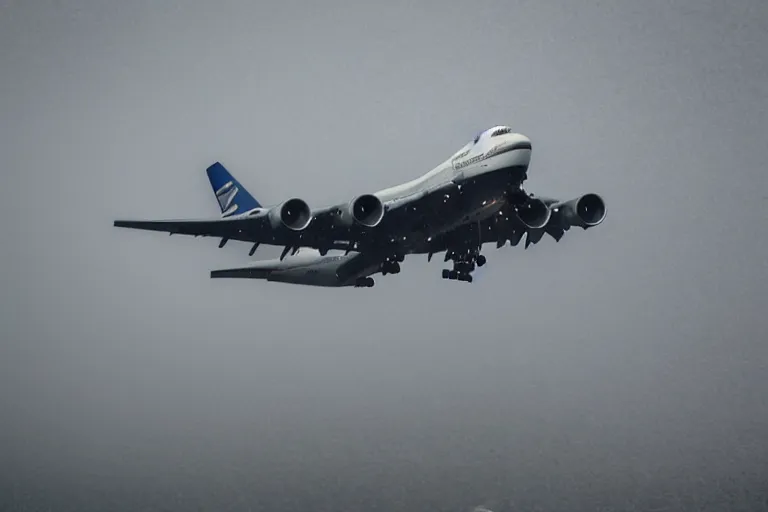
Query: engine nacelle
<point x="366" y="210"/>
<point x="534" y="213"/>
<point x="293" y="214"/>
<point x="585" y="212"/>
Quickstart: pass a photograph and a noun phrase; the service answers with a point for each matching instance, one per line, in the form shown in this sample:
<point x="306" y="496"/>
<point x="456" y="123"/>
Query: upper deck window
<point x="501" y="131"/>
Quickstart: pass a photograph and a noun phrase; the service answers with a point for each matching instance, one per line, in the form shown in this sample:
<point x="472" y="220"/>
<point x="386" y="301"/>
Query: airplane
<point x="474" y="197"/>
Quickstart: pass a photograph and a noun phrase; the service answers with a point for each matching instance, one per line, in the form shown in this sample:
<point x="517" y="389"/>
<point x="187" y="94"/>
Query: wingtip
<point x="217" y="274"/>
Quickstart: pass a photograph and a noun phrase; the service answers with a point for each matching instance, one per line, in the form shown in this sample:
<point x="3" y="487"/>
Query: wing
<point x="363" y="223"/>
<point x="556" y="216"/>
<point x="242" y="216"/>
<point x="253" y="228"/>
<point x="338" y="225"/>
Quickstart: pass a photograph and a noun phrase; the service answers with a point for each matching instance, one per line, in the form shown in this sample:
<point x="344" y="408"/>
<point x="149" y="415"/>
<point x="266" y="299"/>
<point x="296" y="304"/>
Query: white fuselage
<point x="487" y="154"/>
<point x="483" y="169"/>
<point x="495" y="151"/>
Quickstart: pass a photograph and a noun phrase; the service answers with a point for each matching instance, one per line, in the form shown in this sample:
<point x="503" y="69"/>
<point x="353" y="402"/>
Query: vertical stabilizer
<point x="232" y="197"/>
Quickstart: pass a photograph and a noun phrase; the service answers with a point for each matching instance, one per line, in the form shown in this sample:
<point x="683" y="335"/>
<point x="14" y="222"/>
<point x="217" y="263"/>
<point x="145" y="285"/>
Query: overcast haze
<point x="626" y="364"/>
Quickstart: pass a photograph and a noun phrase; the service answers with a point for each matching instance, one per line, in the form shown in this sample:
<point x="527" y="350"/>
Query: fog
<point x="624" y="367"/>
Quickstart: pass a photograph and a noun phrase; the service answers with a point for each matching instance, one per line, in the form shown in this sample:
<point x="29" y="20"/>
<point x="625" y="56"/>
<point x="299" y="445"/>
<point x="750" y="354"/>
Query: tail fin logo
<point x="226" y="196"/>
<point x="230" y="194"/>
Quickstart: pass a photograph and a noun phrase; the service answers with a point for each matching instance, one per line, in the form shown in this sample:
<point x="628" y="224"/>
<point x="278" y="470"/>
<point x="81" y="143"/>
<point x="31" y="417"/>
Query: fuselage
<point x="494" y="151"/>
<point x="483" y="171"/>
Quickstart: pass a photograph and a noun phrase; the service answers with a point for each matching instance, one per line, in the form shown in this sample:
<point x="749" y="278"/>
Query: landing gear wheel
<point x="390" y="267"/>
<point x="464" y="263"/>
<point x="364" y="282"/>
<point x="465" y="267"/>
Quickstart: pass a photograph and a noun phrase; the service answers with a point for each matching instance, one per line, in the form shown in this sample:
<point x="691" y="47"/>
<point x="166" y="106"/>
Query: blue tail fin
<point x="232" y="196"/>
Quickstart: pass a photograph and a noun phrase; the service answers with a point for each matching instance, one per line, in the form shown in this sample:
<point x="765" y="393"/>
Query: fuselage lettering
<point x="469" y="161"/>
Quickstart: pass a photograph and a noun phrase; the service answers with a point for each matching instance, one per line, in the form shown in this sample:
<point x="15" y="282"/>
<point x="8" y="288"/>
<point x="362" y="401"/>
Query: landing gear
<point x="391" y="265"/>
<point x="464" y="263"/>
<point x="364" y="282"/>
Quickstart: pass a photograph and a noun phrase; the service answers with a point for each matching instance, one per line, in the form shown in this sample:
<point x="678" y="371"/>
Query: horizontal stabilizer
<point x="245" y="273"/>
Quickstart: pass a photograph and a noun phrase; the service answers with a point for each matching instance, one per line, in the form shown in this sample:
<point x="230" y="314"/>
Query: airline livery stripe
<point x="494" y="151"/>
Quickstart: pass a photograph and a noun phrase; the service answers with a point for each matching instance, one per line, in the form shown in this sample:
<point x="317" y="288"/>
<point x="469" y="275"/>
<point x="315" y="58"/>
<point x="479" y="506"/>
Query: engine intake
<point x="366" y="210"/>
<point x="585" y="212"/>
<point x="534" y="213"/>
<point x="293" y="214"/>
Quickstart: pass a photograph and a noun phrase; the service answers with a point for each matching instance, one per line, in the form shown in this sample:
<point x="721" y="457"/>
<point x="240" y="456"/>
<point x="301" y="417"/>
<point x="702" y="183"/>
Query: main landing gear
<point x="391" y="264"/>
<point x="464" y="264"/>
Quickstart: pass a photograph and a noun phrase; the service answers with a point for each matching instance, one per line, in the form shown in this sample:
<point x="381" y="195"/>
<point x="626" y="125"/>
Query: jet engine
<point x="366" y="210"/>
<point x="534" y="213"/>
<point x="293" y="214"/>
<point x="585" y="212"/>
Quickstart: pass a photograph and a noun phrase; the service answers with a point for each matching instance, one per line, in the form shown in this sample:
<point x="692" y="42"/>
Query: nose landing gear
<point x="391" y="265"/>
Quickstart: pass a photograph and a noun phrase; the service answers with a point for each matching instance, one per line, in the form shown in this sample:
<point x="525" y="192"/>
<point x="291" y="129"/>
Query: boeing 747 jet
<point x="474" y="197"/>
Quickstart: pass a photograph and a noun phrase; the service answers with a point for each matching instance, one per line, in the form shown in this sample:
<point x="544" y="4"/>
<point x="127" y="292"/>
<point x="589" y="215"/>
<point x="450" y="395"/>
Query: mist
<point x="624" y="366"/>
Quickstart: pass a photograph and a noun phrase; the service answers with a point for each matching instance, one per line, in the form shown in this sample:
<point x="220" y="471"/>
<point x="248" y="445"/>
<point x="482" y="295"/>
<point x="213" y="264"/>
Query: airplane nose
<point x="519" y="137"/>
<point x="520" y="150"/>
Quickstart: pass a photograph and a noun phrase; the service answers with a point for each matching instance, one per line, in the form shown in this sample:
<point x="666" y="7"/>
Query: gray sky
<point x="603" y="368"/>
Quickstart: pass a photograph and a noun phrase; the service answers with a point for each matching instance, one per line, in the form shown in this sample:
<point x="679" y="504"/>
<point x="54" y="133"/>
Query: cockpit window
<point x="477" y="138"/>
<point x="501" y="131"/>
